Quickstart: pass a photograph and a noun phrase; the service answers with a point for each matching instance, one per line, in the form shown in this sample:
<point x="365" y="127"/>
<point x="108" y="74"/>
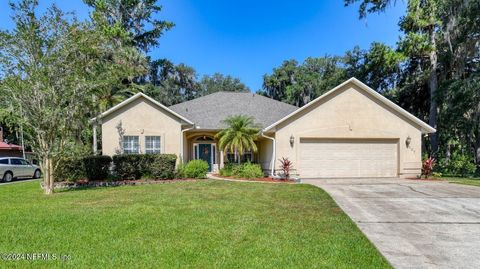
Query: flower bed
<point x="259" y="179"/>
<point x="425" y="179"/>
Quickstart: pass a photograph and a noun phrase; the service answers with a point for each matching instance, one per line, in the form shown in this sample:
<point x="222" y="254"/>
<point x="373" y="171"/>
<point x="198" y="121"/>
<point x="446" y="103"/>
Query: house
<point x="9" y="150"/>
<point x="350" y="131"/>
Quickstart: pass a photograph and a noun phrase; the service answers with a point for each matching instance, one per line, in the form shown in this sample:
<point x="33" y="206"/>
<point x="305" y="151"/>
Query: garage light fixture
<point x="408" y="141"/>
<point x="292" y="140"/>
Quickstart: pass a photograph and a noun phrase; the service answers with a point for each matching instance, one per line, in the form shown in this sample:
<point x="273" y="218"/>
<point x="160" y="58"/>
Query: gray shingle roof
<point x="209" y="111"/>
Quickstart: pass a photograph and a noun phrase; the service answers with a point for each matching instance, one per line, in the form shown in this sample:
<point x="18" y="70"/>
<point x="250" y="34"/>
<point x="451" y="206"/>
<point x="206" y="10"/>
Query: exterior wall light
<point x="408" y="141"/>
<point x="292" y="140"/>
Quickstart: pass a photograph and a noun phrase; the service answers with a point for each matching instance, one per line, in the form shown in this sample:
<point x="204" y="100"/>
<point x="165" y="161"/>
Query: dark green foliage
<point x="97" y="167"/>
<point x="70" y="169"/>
<point x="137" y="17"/>
<point x="128" y="166"/>
<point x="196" y="169"/>
<point x="459" y="165"/>
<point x="136" y="166"/>
<point x="163" y="166"/>
<point x="245" y="170"/>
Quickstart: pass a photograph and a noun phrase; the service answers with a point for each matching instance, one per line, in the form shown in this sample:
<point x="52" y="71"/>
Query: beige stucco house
<point x="350" y="131"/>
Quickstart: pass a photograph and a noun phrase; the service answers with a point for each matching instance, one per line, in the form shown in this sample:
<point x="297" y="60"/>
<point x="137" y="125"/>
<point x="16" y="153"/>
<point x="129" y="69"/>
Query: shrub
<point x="129" y="166"/>
<point x="245" y="170"/>
<point x="162" y="166"/>
<point x="427" y="167"/>
<point x="196" y="169"/>
<point x="70" y="169"/>
<point x="286" y="166"/>
<point x="180" y="172"/>
<point x="97" y="167"/>
<point x="461" y="165"/>
<point x="227" y="170"/>
<point x="136" y="166"/>
<point x="250" y="170"/>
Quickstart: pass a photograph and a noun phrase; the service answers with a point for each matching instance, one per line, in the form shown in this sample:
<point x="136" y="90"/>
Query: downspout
<point x="181" y="141"/>
<point x="272" y="165"/>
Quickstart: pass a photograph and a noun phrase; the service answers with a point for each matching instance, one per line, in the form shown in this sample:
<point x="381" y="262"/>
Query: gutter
<point x="272" y="165"/>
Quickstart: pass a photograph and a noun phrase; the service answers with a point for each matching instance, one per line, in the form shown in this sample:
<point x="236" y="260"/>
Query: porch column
<point x="95" y="139"/>
<point x="221" y="159"/>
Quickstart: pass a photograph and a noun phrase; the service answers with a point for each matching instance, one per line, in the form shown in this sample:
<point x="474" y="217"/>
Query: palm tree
<point x="239" y="136"/>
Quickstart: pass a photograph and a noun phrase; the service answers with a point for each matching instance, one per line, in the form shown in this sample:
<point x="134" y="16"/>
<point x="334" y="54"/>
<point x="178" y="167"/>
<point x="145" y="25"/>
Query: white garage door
<point x="320" y="158"/>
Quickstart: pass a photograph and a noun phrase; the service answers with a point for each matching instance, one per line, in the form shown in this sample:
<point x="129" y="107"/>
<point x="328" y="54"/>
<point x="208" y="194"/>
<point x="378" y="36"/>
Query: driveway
<point x="414" y="224"/>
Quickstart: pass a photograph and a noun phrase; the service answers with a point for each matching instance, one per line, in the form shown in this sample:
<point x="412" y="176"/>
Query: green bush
<point x="250" y="170"/>
<point x="196" y="169"/>
<point x="180" y="172"/>
<point x="97" y="167"/>
<point x="245" y="170"/>
<point x="459" y="165"/>
<point x="70" y="169"/>
<point x="162" y="167"/>
<point x="227" y="170"/>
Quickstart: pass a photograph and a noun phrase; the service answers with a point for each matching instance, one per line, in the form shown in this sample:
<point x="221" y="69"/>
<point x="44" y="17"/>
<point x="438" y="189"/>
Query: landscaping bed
<point x="66" y="185"/>
<point x="261" y="179"/>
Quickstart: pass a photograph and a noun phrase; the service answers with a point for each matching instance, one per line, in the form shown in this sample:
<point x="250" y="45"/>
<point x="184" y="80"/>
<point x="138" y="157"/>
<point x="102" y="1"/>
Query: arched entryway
<point x="204" y="147"/>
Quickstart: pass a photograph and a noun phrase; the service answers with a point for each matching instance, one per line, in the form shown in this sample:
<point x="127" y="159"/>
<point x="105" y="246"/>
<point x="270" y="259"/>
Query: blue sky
<point x="247" y="38"/>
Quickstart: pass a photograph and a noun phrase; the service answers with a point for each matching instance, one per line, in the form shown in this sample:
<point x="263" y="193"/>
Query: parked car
<point x="11" y="167"/>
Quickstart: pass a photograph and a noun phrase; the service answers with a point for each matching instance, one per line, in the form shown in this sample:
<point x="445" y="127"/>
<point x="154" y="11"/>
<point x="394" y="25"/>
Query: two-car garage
<point x="337" y="158"/>
<point x="351" y="131"/>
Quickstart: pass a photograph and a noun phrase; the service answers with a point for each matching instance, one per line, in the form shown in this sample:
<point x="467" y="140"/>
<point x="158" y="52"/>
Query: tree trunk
<point x="433" y="85"/>
<point x="47" y="175"/>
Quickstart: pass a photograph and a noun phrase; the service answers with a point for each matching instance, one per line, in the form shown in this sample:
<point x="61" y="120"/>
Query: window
<point x="4" y="161"/>
<point x="130" y="144"/>
<point x="152" y="144"/>
<point x="246" y="157"/>
<point x="15" y="162"/>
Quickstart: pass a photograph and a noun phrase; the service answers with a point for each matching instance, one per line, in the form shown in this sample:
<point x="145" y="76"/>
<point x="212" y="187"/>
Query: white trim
<point x="272" y="162"/>
<point x="135" y="97"/>
<point x="425" y="127"/>
<point x="213" y="148"/>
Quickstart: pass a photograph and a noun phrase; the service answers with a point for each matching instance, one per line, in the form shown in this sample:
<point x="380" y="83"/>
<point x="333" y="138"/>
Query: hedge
<point x="163" y="166"/>
<point x="97" y="167"/>
<point x="136" y="166"/>
<point x="70" y="169"/>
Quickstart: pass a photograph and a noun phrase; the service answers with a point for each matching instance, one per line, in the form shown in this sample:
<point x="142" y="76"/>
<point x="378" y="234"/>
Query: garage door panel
<point x="348" y="158"/>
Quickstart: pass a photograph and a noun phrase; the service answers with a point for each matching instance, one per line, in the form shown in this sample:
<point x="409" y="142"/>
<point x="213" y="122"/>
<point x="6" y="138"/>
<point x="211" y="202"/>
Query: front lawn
<point x="463" y="180"/>
<point x="184" y="224"/>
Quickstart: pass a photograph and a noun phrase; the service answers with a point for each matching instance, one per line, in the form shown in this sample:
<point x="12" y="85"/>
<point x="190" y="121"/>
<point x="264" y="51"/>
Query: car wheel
<point x="7" y="177"/>
<point x="37" y="174"/>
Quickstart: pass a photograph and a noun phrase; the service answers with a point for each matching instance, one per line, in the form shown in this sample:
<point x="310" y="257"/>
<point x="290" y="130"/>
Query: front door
<point x="205" y="153"/>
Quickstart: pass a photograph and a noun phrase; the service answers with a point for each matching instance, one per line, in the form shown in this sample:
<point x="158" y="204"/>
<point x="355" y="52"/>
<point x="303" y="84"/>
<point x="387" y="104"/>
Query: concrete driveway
<point x="414" y="224"/>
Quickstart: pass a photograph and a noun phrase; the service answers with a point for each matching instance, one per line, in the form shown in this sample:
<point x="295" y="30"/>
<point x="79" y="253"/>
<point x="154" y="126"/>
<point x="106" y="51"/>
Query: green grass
<point x="464" y="181"/>
<point x="183" y="225"/>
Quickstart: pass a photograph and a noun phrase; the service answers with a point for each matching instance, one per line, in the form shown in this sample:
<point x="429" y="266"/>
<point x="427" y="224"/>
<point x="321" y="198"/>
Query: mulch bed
<point x="91" y="184"/>
<point x="424" y="179"/>
<point x="260" y="179"/>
